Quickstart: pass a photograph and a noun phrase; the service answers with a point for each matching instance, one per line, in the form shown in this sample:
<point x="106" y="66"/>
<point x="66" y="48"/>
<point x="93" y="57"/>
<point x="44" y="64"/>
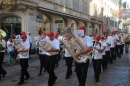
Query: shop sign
<point x="58" y="21"/>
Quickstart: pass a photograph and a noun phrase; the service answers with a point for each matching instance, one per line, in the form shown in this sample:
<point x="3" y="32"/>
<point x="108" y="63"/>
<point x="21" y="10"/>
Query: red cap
<point x="50" y="34"/>
<point x="97" y="37"/>
<point x="57" y="33"/>
<point x="23" y="33"/>
<point x="43" y="33"/>
<point x="82" y="28"/>
<point x="56" y="36"/>
<point x="94" y="35"/>
<point x="102" y="37"/>
<point x="24" y="36"/>
<point x="119" y="36"/>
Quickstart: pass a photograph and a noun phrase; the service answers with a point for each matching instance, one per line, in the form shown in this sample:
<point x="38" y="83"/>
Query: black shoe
<point x="39" y="74"/>
<point x="20" y="83"/>
<point x="27" y="78"/>
<point x="50" y="84"/>
<point x="54" y="80"/>
<point x="67" y="77"/>
<point x="4" y="75"/>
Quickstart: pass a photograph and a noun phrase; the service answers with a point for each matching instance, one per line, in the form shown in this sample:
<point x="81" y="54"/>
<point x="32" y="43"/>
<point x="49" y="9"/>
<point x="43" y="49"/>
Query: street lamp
<point x="7" y="4"/>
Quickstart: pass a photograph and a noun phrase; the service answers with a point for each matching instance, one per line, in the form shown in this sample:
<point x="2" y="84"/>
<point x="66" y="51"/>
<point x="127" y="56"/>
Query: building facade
<point x="110" y="14"/>
<point x="50" y="15"/>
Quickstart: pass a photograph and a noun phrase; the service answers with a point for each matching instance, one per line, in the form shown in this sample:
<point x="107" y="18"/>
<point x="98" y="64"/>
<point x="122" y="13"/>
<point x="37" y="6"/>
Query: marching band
<point x="103" y="49"/>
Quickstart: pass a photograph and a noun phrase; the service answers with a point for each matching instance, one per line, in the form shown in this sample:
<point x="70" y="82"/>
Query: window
<point x="76" y="5"/>
<point x="84" y="6"/>
<point x="62" y="25"/>
<point x="116" y="24"/>
<point x="64" y="2"/>
<point x="43" y="23"/>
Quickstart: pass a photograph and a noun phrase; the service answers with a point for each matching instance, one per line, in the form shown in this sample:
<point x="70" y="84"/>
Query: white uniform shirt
<point x="29" y="39"/>
<point x="55" y="43"/>
<point x="103" y="44"/>
<point x="113" y="39"/>
<point x="96" y="54"/>
<point x="41" y="50"/>
<point x="123" y="40"/>
<point x="9" y="46"/>
<point x="67" y="54"/>
<point x="26" y="44"/>
<point x="3" y="44"/>
<point x="87" y="41"/>
<point x="108" y="40"/>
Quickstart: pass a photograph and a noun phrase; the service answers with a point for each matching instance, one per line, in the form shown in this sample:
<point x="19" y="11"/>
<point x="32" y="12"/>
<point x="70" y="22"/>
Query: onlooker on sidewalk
<point x="11" y="50"/>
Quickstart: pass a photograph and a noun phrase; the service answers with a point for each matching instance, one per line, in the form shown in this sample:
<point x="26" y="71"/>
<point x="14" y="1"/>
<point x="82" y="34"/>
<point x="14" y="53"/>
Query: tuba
<point x="45" y="44"/>
<point x="2" y="34"/>
<point x="18" y="45"/>
<point x="74" y="44"/>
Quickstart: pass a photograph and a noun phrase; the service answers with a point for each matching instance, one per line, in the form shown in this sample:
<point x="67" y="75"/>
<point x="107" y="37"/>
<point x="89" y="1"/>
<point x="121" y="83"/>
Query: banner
<point x="124" y="13"/>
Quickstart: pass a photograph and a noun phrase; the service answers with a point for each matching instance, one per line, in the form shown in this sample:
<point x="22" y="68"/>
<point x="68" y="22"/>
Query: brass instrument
<point x="18" y="45"/>
<point x="44" y="43"/>
<point x="2" y="34"/>
<point x="74" y="44"/>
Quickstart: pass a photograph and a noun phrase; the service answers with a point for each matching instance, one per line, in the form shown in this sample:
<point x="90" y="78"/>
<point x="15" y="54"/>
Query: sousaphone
<point x="2" y="35"/>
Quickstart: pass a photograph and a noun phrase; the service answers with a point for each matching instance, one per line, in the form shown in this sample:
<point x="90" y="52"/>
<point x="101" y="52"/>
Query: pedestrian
<point x="2" y="51"/>
<point x="82" y="68"/>
<point x="30" y="41"/>
<point x="24" y="59"/>
<point x="11" y="51"/>
<point x="51" y="59"/>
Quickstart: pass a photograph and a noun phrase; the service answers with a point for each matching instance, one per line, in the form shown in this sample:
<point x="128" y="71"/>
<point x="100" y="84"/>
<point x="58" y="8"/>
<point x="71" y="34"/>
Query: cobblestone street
<point x="117" y="74"/>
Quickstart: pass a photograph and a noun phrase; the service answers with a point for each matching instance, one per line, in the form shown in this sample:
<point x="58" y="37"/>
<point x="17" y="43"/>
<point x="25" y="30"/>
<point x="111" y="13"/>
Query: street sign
<point x="58" y="21"/>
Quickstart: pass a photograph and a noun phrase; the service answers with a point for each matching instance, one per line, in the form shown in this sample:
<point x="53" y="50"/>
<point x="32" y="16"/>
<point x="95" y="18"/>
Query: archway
<point x="43" y="23"/>
<point x="11" y="25"/>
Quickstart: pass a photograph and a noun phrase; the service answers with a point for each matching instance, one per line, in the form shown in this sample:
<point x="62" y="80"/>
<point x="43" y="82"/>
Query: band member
<point x="58" y="37"/>
<point x="30" y="41"/>
<point x="97" y="57"/>
<point x="117" y="39"/>
<point x="123" y="42"/>
<point x="24" y="59"/>
<point x="68" y="60"/>
<point x="107" y="49"/>
<point x="103" y="43"/>
<point x="51" y="59"/>
<point x="2" y="51"/>
<point x="112" y="47"/>
<point x="42" y="54"/>
<point x="82" y="68"/>
<point x="127" y="42"/>
<point x="119" y="43"/>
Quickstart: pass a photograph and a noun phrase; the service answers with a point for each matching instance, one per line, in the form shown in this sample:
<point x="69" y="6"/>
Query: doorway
<point x="11" y="25"/>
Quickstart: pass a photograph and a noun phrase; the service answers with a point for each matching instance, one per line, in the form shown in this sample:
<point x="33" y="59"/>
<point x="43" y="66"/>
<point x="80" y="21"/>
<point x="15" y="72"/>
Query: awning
<point x="104" y="28"/>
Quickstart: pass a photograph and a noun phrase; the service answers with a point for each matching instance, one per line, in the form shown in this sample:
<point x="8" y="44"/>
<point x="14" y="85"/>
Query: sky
<point x="126" y="0"/>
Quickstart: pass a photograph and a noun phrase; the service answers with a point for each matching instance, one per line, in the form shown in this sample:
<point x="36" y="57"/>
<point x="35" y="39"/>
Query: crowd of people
<point x="104" y="50"/>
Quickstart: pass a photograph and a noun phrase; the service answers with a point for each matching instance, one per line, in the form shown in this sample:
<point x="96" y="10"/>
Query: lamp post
<point x="7" y="4"/>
